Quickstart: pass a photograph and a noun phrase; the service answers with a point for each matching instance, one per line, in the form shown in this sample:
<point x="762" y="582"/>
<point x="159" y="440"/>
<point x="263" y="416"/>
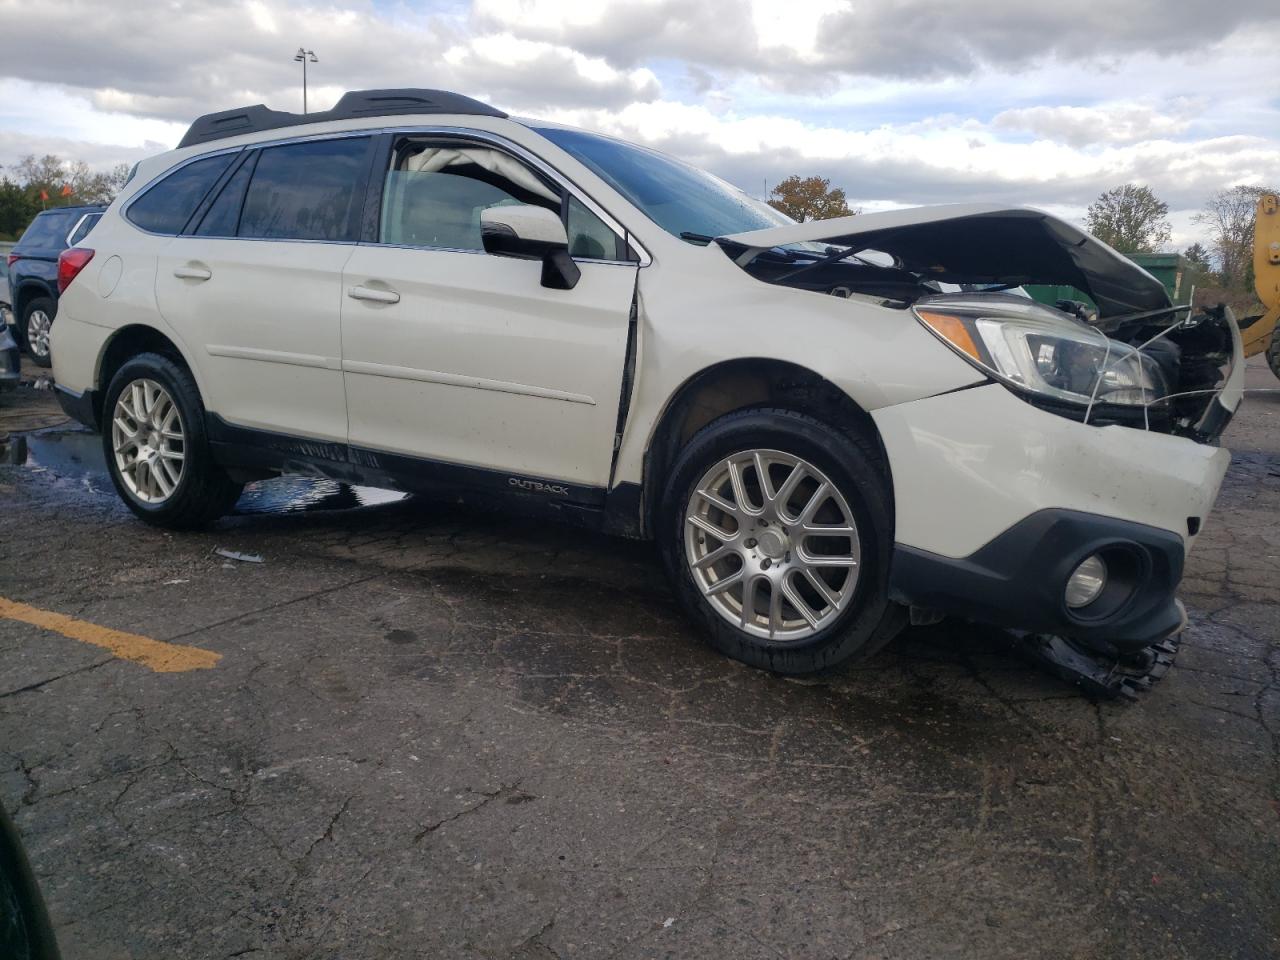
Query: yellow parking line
<point x="156" y="654"/>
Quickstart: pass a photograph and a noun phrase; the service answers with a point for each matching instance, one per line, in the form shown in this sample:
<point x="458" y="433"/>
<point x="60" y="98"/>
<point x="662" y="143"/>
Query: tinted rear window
<point x="49" y="230"/>
<point x="167" y="206"/>
<point x="82" y="231"/>
<point x="223" y="216"/>
<point x="307" y="191"/>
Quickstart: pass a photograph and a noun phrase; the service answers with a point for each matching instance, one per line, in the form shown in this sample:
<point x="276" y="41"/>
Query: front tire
<point x="776" y="533"/>
<point x="157" y="451"/>
<point x="36" y="324"/>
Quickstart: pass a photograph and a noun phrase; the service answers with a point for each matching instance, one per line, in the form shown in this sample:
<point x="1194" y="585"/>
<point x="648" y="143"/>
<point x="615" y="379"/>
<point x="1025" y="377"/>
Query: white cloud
<point x="905" y="38"/>
<point x="539" y="74"/>
<point x="39" y="120"/>
<point x="932" y="162"/>
<point x="907" y="102"/>
<point x="1106" y="123"/>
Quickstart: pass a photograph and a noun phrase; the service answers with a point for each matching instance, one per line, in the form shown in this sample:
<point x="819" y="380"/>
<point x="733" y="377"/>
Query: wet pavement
<point x="441" y="732"/>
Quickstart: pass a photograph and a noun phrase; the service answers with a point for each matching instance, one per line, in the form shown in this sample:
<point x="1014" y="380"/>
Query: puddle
<point x="298" y="494"/>
<point x="75" y="457"/>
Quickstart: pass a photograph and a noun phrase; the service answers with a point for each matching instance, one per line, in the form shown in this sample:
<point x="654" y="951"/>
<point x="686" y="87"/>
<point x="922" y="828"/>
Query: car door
<point x="456" y="356"/>
<point x="253" y="283"/>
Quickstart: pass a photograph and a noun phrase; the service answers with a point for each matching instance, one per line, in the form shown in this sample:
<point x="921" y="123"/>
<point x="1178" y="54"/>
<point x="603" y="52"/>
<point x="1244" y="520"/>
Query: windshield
<point x="677" y="197"/>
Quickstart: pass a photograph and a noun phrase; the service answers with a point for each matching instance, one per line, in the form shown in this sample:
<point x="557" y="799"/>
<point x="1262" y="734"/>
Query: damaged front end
<point x="1136" y="361"/>
<point x="1090" y="597"/>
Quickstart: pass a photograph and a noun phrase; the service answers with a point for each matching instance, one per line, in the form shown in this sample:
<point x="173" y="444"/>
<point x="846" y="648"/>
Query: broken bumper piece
<point x="1100" y="675"/>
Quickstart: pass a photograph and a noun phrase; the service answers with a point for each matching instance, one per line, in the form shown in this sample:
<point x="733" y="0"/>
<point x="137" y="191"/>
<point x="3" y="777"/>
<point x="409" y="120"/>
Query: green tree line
<point x="37" y="183"/>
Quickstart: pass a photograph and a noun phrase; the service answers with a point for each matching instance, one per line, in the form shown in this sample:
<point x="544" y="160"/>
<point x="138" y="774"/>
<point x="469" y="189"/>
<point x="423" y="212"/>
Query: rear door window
<point x="166" y="207"/>
<point x="307" y="191"/>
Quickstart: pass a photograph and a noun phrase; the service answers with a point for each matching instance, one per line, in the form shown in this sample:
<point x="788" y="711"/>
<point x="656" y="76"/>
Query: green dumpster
<point x="1169" y="268"/>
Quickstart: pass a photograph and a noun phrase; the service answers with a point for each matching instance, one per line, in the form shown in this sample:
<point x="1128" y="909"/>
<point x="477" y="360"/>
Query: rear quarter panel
<point x="115" y="290"/>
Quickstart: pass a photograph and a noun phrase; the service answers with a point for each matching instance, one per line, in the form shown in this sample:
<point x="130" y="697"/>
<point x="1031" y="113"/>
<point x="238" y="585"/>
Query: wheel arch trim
<point x="30" y="288"/>
<point x="140" y="330"/>
<point x="664" y="439"/>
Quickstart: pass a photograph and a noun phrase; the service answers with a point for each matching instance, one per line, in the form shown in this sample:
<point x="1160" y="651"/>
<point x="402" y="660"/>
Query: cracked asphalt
<point x="436" y="732"/>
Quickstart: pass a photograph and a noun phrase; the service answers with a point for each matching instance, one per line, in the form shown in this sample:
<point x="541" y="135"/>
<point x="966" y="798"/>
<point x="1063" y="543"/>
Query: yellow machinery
<point x="1260" y="335"/>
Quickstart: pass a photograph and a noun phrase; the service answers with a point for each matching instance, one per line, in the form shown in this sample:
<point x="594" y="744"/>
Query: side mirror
<point x="531" y="233"/>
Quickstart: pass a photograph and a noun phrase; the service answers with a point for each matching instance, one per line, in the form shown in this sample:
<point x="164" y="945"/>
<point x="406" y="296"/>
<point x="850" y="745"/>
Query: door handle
<point x="192" y="272"/>
<point x="374" y="294"/>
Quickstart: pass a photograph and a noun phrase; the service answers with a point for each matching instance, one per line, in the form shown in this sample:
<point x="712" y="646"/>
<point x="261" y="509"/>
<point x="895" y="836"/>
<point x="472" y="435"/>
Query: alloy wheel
<point x="772" y="544"/>
<point x="148" y="439"/>
<point x="38" y="325"/>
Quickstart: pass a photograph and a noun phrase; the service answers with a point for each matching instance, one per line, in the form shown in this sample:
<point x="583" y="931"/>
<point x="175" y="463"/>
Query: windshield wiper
<point x="838" y="255"/>
<point x="699" y="238"/>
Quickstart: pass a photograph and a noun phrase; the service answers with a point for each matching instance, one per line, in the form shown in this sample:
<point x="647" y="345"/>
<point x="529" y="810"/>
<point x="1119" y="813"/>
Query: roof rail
<point x="352" y="106"/>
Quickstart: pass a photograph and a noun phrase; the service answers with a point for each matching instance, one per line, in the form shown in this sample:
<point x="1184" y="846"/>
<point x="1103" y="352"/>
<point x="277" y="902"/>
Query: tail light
<point x="13" y="258"/>
<point x="70" y="263"/>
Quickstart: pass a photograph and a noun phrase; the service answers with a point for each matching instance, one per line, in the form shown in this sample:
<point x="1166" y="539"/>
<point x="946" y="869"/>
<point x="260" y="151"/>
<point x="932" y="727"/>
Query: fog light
<point x="1086" y="582"/>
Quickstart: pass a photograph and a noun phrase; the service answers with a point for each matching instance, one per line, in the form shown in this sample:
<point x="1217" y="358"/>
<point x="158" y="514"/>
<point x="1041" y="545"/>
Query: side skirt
<point x="245" y="448"/>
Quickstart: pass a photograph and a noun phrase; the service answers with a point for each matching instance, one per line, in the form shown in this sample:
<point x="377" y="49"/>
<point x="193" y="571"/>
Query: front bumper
<point x="970" y="464"/>
<point x="997" y="501"/>
<point x="1018" y="580"/>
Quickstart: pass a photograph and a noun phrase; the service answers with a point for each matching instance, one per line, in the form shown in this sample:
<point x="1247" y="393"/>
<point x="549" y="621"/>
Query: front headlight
<point x="1044" y="352"/>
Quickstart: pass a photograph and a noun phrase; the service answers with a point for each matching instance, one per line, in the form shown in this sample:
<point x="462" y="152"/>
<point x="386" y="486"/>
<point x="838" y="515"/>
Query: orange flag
<point x="66" y="190"/>
<point x="44" y="194"/>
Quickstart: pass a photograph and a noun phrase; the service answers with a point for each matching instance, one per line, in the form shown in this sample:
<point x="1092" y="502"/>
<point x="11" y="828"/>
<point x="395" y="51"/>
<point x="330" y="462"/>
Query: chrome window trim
<point x="204" y="236"/>
<point x="483" y="253"/>
<point x="487" y="136"/>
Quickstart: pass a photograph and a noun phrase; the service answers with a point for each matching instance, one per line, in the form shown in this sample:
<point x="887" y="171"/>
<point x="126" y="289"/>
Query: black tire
<point x="49" y="308"/>
<point x="204" y="491"/>
<point x="855" y="465"/>
<point x="1273" y="352"/>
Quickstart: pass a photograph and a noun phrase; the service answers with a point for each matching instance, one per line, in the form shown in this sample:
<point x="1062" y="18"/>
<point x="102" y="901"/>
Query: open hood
<point x="978" y="243"/>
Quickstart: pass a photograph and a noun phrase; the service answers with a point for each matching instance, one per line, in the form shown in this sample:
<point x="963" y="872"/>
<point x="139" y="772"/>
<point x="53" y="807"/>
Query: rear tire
<point x="156" y="447"/>
<point x="797" y="582"/>
<point x="36" y="323"/>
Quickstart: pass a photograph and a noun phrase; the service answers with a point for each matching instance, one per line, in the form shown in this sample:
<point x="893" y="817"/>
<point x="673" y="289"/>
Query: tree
<point x="48" y="173"/>
<point x="16" y="209"/>
<point x="89" y="187"/>
<point x="809" y="198"/>
<point x="52" y="174"/>
<point x="63" y="182"/>
<point x="1229" y="215"/>
<point x="1199" y="270"/>
<point x="1130" y="218"/>
<point x="1197" y="255"/>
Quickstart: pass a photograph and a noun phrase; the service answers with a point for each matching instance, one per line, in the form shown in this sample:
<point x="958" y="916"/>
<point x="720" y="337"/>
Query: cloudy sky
<point x="901" y="102"/>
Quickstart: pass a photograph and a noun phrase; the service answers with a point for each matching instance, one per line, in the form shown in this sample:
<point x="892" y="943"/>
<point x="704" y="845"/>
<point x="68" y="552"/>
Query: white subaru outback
<point x="824" y="425"/>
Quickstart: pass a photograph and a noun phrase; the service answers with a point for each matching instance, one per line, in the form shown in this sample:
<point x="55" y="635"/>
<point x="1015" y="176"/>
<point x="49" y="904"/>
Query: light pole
<point x="303" y="57"/>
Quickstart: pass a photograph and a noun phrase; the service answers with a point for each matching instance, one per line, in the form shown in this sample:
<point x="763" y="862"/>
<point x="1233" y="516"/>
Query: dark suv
<point x="33" y="272"/>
